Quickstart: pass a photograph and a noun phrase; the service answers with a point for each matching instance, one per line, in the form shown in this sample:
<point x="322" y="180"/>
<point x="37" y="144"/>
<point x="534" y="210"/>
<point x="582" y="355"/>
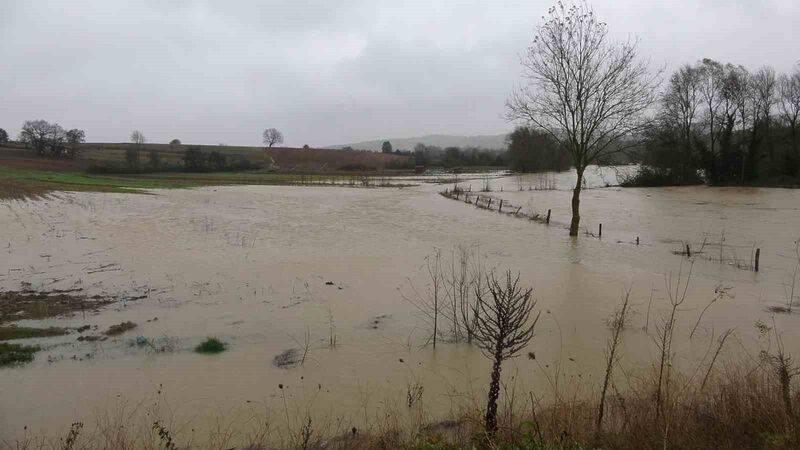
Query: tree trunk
<point x="576" y="205"/>
<point x="494" y="394"/>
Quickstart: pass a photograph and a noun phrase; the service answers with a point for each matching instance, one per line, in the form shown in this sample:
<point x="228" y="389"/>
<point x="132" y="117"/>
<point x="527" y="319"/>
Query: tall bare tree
<point x="789" y="89"/>
<point x="591" y="94"/>
<point x="680" y="104"/>
<point x="272" y="136"/>
<point x="503" y="327"/>
<point x="133" y="152"/>
<point x="711" y="79"/>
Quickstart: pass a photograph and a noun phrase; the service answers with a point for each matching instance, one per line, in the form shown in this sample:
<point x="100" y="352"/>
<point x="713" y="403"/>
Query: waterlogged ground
<point x="263" y="267"/>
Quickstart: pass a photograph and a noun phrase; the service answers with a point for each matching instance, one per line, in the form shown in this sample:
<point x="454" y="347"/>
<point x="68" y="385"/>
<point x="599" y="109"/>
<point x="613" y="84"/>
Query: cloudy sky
<point x="325" y="71"/>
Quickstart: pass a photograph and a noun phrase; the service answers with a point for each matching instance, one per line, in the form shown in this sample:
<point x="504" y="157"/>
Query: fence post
<point x="600" y="231"/>
<point x="501" y="206"/>
<point x="758" y="257"/>
<point x="548" y="217"/>
<point x="688" y="251"/>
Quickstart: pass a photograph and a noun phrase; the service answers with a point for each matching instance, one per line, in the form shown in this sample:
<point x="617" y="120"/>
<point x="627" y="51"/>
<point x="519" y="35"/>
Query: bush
<point x="211" y="345"/>
<point x="13" y="354"/>
<point x="648" y="176"/>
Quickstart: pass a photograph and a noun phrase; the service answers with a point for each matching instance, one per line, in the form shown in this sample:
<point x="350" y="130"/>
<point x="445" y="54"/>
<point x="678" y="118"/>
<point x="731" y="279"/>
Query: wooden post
<point x="758" y="257"/>
<point x="548" y="217"/>
<point x="600" y="231"/>
<point x="470" y="188"/>
<point x="517" y="212"/>
<point x="489" y="205"/>
<point x="501" y="206"/>
<point x="688" y="251"/>
<point x="637" y="240"/>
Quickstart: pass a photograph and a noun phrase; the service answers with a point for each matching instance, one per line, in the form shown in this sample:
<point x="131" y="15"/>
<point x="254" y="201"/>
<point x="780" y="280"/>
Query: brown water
<point x="250" y="265"/>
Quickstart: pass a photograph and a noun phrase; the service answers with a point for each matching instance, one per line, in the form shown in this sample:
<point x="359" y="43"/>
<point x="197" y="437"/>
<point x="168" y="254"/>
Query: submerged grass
<point x="120" y="328"/>
<point x="22" y="184"/>
<point x="14" y="332"/>
<point x="15" y="354"/>
<point x="211" y="345"/>
<point x="26" y="305"/>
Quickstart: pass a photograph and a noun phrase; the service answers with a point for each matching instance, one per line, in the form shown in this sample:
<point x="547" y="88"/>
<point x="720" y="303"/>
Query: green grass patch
<point x="211" y="345"/>
<point x="9" y="333"/>
<point x="15" y="354"/>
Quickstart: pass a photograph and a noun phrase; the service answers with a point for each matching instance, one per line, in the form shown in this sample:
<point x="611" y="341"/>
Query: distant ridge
<point x="493" y="142"/>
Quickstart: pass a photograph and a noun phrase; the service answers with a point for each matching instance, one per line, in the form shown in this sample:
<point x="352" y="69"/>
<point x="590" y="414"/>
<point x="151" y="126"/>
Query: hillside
<point x="494" y="142"/>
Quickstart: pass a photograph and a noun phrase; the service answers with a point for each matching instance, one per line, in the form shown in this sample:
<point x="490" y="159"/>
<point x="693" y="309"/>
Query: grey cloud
<point x="323" y="72"/>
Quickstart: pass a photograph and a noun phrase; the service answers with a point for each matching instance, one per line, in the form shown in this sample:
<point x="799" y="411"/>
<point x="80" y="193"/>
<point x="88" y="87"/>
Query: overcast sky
<point x="325" y="71"/>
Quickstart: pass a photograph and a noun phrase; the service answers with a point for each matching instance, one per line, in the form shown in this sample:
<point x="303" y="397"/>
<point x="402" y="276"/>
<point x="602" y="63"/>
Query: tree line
<point x="721" y="123"/>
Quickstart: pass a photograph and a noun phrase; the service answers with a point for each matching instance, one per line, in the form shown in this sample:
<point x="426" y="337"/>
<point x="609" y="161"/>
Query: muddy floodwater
<point x="265" y="268"/>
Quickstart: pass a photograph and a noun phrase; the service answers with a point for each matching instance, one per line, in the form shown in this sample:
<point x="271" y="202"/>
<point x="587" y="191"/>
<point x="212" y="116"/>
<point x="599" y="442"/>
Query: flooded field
<point x="268" y="269"/>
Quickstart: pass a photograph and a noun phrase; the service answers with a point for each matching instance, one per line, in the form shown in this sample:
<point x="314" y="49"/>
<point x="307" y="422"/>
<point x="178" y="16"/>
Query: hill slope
<point x="495" y="141"/>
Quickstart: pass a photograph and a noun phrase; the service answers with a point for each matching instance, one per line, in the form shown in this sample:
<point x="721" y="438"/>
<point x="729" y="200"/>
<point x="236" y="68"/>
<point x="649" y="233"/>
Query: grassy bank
<point x="739" y="407"/>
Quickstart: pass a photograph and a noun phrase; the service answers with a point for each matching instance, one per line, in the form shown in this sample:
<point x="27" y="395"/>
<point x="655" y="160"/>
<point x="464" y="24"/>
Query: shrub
<point x="211" y="345"/>
<point x="13" y="354"/>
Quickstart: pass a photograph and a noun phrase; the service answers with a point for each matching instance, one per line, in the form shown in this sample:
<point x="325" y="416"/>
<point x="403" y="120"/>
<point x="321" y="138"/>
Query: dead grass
<point x="27" y="305"/>
<point x="14" y="332"/>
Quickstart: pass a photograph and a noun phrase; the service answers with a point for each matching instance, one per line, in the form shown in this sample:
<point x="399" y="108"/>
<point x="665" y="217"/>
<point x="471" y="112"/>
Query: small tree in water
<point x="503" y="328"/>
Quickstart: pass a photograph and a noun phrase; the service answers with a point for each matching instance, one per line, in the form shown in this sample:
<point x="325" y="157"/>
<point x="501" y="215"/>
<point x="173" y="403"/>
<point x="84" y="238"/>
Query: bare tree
<point x="617" y="325"/>
<point x="503" y="328"/>
<point x="43" y="137"/>
<point x="133" y="152"/>
<point x="3" y="136"/>
<point x="789" y="88"/>
<point x="272" y="136"/>
<point x="430" y="302"/>
<point x="591" y="94"/>
<point x="680" y="103"/>
<point x="75" y="138"/>
<point x="711" y="79"/>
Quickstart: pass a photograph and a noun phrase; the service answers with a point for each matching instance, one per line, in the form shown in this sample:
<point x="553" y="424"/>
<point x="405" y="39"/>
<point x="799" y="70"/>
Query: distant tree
<point x="680" y="107"/>
<point x="306" y="147"/>
<point x="193" y="159"/>
<point x="386" y="147"/>
<point x="154" y="158"/>
<point x="530" y="150"/>
<point x="503" y="327"/>
<point x="789" y="87"/>
<point x="175" y="144"/>
<point x="43" y="137"/>
<point x="419" y="154"/>
<point x="75" y="138"/>
<point x="587" y="92"/>
<point x="3" y="136"/>
<point x="133" y="152"/>
<point x="271" y="136"/>
<point x="217" y="161"/>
